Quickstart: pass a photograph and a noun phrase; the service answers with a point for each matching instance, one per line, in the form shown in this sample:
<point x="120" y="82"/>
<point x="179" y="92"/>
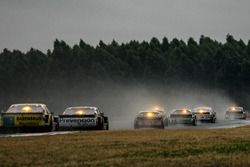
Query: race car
<point x="182" y="116"/>
<point x="82" y="118"/>
<point x="205" y="114"/>
<point x="235" y="113"/>
<point x="149" y="119"/>
<point x="27" y="117"/>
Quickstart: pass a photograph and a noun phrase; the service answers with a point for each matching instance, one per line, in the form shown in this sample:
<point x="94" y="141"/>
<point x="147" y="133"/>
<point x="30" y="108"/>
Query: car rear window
<point x="181" y="112"/>
<point x="234" y="109"/>
<point x="25" y="109"/>
<point x="147" y="112"/>
<point x="79" y="111"/>
<point x="201" y="109"/>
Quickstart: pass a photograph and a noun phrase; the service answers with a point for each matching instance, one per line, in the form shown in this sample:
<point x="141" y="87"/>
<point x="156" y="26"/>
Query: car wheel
<point x="194" y="122"/>
<point x="166" y="122"/>
<point x="136" y="126"/>
<point x="213" y="120"/>
<point x="50" y="127"/>
<point x="162" y="126"/>
<point x="105" y="126"/>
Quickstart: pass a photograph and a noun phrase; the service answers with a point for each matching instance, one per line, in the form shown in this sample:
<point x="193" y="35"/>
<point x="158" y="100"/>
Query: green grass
<point x="183" y="147"/>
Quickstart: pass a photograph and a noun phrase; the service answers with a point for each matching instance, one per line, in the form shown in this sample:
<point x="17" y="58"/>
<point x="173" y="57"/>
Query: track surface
<point x="200" y="125"/>
<point x="217" y="125"/>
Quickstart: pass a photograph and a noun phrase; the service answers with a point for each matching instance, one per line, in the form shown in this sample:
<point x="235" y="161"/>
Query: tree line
<point x="206" y="62"/>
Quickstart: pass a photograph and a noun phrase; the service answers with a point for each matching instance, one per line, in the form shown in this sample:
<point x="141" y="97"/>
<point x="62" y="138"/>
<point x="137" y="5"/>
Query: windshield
<point x="25" y="109"/>
<point x="181" y="112"/>
<point x="149" y="114"/>
<point x="235" y="109"/>
<point x="201" y="110"/>
<point x="79" y="111"/>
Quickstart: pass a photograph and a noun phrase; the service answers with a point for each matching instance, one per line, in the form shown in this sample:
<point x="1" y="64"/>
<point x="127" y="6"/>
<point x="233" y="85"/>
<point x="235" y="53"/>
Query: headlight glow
<point x="80" y="112"/>
<point x="149" y="114"/>
<point x="156" y="108"/>
<point x="26" y="108"/>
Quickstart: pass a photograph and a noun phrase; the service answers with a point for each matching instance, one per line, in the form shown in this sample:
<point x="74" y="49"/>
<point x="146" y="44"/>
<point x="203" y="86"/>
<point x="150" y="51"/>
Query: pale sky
<point x="37" y="23"/>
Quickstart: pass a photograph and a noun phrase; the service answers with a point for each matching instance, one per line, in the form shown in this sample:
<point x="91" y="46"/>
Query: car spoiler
<point x="75" y="116"/>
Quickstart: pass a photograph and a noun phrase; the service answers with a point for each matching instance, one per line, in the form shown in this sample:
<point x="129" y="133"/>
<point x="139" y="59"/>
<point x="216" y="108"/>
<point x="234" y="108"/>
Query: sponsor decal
<point x="87" y="121"/>
<point x="28" y="118"/>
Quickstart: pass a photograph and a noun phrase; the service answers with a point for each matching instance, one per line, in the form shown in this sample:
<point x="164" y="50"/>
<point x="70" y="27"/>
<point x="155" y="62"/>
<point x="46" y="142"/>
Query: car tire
<point x="194" y="122"/>
<point x="50" y="127"/>
<point x="105" y="126"/>
<point x="136" y="126"/>
<point x="213" y="120"/>
<point x="166" y="122"/>
<point x="162" y="125"/>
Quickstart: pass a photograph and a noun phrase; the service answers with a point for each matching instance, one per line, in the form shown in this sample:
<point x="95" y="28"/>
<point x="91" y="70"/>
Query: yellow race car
<point x="26" y="117"/>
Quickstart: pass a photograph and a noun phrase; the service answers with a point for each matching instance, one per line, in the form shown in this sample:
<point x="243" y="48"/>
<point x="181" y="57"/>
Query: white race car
<point x="149" y="119"/>
<point x="82" y="117"/>
<point x="182" y="116"/>
<point x="205" y="114"/>
<point x="235" y="113"/>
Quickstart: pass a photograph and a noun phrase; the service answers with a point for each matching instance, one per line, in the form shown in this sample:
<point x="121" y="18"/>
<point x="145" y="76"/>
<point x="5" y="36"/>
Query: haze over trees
<point x="206" y="62"/>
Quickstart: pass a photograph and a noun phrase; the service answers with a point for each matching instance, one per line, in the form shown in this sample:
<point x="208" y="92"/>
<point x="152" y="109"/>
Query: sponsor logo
<point x="77" y="121"/>
<point x="28" y="118"/>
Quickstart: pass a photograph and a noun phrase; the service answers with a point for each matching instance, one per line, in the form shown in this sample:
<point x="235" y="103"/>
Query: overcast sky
<point x="37" y="23"/>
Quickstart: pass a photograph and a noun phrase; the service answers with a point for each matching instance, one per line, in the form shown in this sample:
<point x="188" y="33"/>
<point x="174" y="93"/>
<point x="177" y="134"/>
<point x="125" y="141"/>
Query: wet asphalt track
<point x="217" y="125"/>
<point x="200" y="125"/>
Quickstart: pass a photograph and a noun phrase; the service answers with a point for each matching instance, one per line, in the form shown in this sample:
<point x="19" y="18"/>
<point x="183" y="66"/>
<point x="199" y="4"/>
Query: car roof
<point x="181" y="109"/>
<point x="90" y="107"/>
<point x="237" y="107"/>
<point x="208" y="108"/>
<point x="150" y="111"/>
<point x="28" y="104"/>
<point x="189" y="110"/>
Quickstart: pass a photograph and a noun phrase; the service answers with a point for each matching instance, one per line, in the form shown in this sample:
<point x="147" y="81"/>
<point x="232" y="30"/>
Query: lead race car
<point x="82" y="118"/>
<point x="235" y="113"/>
<point x="182" y="116"/>
<point x="205" y="114"/>
<point x="26" y="117"/>
<point x="150" y="119"/>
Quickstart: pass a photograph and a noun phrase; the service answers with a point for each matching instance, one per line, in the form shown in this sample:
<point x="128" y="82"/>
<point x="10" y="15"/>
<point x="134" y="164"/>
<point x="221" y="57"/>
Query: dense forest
<point x="205" y="62"/>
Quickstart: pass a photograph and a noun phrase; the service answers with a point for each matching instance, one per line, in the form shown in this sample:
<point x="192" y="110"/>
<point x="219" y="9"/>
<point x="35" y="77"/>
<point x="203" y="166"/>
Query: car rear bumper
<point x="66" y="128"/>
<point x="236" y="116"/>
<point x="204" y="119"/>
<point x="15" y="129"/>
<point x="181" y="121"/>
<point x="149" y="123"/>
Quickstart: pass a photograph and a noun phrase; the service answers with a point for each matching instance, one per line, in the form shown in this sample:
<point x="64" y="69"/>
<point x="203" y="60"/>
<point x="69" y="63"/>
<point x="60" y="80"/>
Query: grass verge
<point x="182" y="147"/>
